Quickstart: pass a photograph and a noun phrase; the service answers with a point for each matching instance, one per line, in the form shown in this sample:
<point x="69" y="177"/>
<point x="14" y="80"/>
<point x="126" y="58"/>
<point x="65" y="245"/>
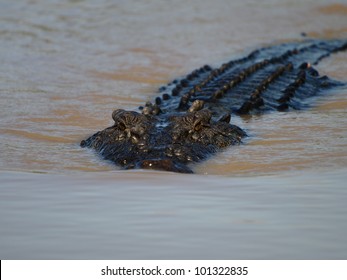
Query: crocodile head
<point x="163" y="142"/>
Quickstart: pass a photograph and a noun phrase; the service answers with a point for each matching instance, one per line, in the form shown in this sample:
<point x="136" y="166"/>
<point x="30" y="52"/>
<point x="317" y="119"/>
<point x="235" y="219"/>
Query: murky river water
<point x="66" y="65"/>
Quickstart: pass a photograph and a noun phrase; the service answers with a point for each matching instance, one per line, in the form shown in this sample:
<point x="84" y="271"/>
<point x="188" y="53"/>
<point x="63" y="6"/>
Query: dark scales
<point x="189" y="121"/>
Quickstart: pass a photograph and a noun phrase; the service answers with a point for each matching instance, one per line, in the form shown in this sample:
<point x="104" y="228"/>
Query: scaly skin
<point x="191" y="119"/>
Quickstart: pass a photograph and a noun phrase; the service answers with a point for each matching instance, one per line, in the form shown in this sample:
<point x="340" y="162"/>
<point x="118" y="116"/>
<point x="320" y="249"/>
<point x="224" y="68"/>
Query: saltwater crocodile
<point x="190" y="120"/>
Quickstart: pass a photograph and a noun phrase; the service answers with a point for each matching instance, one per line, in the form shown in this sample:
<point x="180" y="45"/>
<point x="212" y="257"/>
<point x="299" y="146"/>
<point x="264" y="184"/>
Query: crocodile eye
<point x="121" y="125"/>
<point x="118" y="117"/>
<point x="202" y="119"/>
<point x="125" y="119"/>
<point x="130" y="125"/>
<point x="198" y="125"/>
<point x="117" y="113"/>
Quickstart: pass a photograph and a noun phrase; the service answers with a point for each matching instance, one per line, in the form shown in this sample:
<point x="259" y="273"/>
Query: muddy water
<point x="65" y="65"/>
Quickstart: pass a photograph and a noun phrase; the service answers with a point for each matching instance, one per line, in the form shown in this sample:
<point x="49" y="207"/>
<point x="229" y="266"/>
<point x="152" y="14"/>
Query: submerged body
<point x="190" y="121"/>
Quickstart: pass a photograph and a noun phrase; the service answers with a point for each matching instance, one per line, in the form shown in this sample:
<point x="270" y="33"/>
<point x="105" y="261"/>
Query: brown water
<point x="66" y="65"/>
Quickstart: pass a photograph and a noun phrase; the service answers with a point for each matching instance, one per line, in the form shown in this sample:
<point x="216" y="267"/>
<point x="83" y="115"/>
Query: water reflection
<point x="136" y="215"/>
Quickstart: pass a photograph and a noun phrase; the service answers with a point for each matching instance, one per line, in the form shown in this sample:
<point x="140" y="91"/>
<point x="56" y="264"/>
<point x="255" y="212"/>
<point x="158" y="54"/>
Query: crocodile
<point x="190" y="120"/>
